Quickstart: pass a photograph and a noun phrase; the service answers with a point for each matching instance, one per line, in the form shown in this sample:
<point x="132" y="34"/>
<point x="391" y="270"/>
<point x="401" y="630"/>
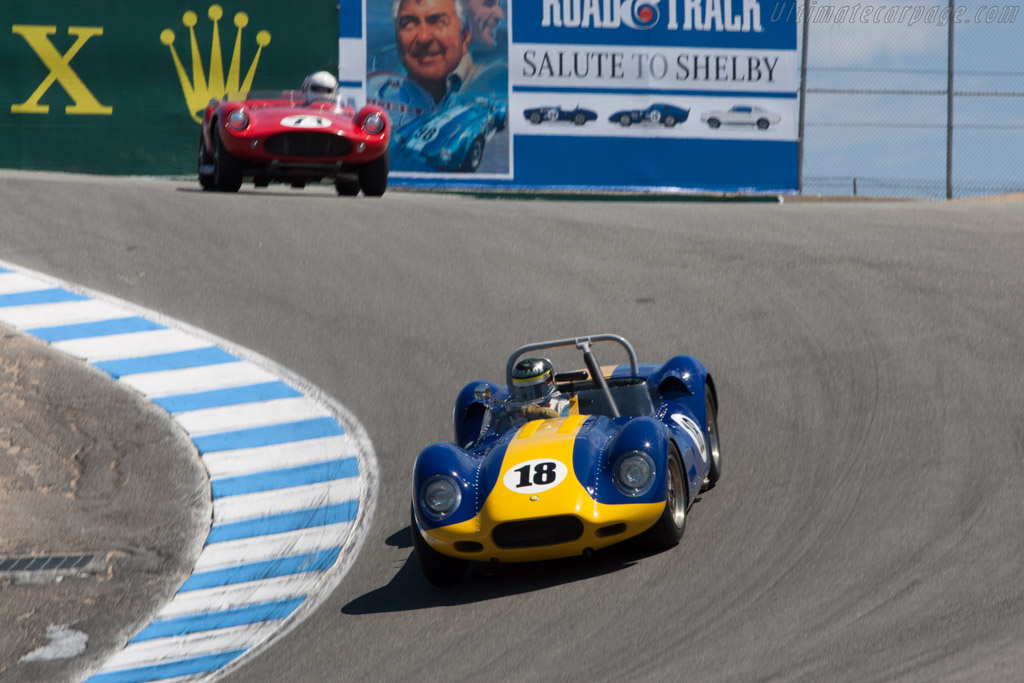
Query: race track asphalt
<point x="869" y="368"/>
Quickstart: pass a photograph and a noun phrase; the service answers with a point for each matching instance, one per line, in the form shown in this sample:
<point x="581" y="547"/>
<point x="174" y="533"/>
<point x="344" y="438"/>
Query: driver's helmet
<point x="533" y="379"/>
<point x="319" y="86"/>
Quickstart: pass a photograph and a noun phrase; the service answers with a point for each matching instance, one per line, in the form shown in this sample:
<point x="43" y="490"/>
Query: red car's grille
<point x="534" y="533"/>
<point x="307" y="145"/>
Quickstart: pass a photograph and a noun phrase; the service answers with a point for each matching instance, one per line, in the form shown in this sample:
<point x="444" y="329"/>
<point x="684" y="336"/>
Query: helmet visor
<point x="533" y="388"/>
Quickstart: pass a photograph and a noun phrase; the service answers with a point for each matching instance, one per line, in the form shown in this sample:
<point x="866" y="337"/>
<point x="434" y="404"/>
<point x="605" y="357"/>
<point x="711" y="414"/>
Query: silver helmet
<point x="533" y="379"/>
<point x="319" y="86"/>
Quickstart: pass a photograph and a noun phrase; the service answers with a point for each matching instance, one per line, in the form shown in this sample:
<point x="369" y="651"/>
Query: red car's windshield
<point x="293" y="98"/>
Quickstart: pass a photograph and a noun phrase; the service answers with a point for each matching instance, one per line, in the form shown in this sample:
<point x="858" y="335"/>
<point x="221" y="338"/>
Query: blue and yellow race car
<point x="557" y="465"/>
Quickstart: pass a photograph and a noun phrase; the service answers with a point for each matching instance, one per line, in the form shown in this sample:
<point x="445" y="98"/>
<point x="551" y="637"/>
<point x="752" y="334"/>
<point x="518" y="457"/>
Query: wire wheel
<point x="675" y="501"/>
<point x="711" y="439"/>
<point x="669" y="528"/>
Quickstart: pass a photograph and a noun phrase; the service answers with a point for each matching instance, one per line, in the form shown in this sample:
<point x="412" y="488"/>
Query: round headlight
<point x="440" y="496"/>
<point x="634" y="473"/>
<point x="238" y="119"/>
<point x="373" y="123"/>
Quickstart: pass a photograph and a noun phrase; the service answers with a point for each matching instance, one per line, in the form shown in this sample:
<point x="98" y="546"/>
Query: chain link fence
<point x="877" y="98"/>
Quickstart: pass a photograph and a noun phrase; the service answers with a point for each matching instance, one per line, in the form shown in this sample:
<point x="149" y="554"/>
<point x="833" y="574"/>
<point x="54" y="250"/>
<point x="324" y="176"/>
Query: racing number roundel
<point x="693" y="429"/>
<point x="534" y="476"/>
<point x="305" y="121"/>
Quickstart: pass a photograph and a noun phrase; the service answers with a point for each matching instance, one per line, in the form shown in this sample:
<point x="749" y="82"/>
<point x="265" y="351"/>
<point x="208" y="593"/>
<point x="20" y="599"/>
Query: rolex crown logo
<point x="202" y="89"/>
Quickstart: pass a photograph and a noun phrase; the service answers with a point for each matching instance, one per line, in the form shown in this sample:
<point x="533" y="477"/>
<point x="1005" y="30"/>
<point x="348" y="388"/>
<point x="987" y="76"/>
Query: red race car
<point x="295" y="137"/>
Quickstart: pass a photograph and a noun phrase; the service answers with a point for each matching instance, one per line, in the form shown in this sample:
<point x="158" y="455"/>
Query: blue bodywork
<point x="579" y="116"/>
<point x="451" y="138"/>
<point x="675" y="413"/>
<point x="662" y="114"/>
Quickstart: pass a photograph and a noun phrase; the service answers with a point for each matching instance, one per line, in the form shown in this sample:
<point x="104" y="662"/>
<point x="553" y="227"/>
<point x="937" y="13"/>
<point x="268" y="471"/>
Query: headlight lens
<point x="440" y="496"/>
<point x="634" y="473"/>
<point x="373" y="123"/>
<point x="238" y="119"/>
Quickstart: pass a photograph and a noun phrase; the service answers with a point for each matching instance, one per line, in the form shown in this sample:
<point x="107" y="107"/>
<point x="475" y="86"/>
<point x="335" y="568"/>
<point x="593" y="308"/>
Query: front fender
<point x="595" y="455"/>
<point x="449" y="459"/>
<point x="469" y="412"/>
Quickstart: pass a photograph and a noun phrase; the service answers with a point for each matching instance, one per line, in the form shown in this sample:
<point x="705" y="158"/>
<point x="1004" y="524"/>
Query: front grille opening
<point x="468" y="546"/>
<point x="307" y="145"/>
<point x="535" y="533"/>
<point x="610" y="530"/>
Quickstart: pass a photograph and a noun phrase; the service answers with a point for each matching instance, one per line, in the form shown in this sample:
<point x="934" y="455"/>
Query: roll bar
<point x="583" y="344"/>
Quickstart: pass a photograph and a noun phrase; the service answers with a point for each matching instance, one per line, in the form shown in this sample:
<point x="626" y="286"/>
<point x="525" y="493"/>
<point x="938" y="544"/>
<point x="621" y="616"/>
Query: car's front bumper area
<point x="492" y="535"/>
<point x="308" y="150"/>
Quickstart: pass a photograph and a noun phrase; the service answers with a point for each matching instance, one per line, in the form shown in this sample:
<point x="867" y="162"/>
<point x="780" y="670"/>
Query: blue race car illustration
<point x="578" y="116"/>
<point x="662" y="114"/>
<point x="557" y="465"/>
<point x="449" y="139"/>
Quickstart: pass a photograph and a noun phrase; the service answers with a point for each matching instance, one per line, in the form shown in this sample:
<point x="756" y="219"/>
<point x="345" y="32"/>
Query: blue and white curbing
<point x="293" y="476"/>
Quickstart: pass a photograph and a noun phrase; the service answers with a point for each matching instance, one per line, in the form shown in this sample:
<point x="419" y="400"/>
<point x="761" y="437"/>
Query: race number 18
<point x="543" y="473"/>
<point x="535" y="476"/>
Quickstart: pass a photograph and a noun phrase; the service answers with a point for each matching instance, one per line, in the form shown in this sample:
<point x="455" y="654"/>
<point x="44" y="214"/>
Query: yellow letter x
<point x="37" y="38"/>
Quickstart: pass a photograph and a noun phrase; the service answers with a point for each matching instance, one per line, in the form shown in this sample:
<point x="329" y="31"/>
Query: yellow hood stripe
<point x="553" y="440"/>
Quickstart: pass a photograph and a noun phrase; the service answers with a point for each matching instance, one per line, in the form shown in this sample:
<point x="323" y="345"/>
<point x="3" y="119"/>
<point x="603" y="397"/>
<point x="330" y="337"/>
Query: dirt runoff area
<point x="104" y="507"/>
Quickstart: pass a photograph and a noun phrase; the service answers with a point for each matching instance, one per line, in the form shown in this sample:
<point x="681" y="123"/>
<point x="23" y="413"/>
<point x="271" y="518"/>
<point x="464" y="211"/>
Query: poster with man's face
<point x="440" y="70"/>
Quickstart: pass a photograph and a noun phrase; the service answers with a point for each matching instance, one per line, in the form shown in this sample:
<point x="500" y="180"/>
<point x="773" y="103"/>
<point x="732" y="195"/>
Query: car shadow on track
<point x="409" y="590"/>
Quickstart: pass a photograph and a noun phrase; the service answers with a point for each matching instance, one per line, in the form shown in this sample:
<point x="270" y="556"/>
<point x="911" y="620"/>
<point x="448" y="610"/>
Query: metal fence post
<point x="949" y="105"/>
<point x="803" y="98"/>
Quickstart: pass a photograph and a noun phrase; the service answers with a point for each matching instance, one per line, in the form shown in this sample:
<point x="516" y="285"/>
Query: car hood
<point x="546" y="467"/>
<point x="571" y="444"/>
<point x="310" y="119"/>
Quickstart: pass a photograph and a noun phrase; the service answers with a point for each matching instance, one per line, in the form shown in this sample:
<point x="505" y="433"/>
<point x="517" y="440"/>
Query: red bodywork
<point x="285" y="139"/>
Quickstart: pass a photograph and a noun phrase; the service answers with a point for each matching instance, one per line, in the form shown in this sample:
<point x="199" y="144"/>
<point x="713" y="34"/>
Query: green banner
<point x="119" y="87"/>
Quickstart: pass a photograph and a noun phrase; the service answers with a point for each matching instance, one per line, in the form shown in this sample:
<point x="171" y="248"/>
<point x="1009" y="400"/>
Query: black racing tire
<point x="669" y="121"/>
<point x="714" y="123"/>
<point x="474" y="156"/>
<point x="373" y="177"/>
<point x="711" y="438"/>
<point x="346" y="186"/>
<point x="535" y="117"/>
<point x="625" y="120"/>
<point x="669" y="528"/>
<point x="227" y="169"/>
<point x="205" y="179"/>
<point x="579" y="119"/>
<point x="438" y="569"/>
<point x="762" y="124"/>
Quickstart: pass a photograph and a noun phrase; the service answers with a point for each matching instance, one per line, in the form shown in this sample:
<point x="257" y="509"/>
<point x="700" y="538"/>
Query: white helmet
<point x="319" y="86"/>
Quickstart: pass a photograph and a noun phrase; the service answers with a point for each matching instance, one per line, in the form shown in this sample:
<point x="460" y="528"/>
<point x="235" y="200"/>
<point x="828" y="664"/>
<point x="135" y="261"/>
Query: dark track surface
<point x="870" y="372"/>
